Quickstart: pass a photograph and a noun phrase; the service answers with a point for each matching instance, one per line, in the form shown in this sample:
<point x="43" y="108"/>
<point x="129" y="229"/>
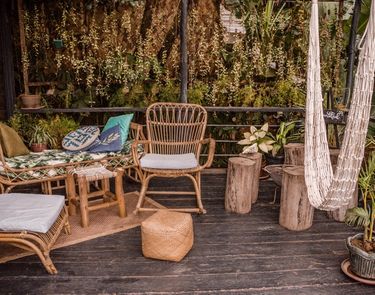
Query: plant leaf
<point x="244" y="142"/>
<point x="263" y="147"/>
<point x="264" y="127"/>
<point x="247" y="135"/>
<point x="357" y="217"/>
<point x="253" y="129"/>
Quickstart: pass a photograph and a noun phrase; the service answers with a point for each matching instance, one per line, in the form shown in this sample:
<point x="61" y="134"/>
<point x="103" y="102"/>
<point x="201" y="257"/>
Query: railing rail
<point x="210" y="109"/>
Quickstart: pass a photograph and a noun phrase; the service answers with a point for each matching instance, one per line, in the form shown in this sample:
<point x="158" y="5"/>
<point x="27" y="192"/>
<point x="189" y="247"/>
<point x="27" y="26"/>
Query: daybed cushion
<point x="30" y="212"/>
<point x="81" y="139"/>
<point x="57" y="157"/>
<point x="124" y="122"/>
<point x="159" y="161"/>
<point x="11" y="142"/>
<point x="109" y="141"/>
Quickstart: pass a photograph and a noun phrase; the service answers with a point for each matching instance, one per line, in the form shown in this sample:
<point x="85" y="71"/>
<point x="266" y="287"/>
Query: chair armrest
<point x="211" y="151"/>
<point x="134" y="149"/>
<point x="136" y="131"/>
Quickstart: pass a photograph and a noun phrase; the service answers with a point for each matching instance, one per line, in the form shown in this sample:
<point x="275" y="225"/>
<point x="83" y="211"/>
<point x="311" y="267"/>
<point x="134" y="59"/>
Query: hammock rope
<point x="328" y="190"/>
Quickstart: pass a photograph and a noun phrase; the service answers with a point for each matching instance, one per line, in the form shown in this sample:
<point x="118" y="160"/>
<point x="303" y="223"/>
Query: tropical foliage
<point x="126" y="53"/>
<point x="365" y="216"/>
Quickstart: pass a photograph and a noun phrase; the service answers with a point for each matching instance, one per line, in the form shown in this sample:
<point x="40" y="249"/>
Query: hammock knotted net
<point x="328" y="190"/>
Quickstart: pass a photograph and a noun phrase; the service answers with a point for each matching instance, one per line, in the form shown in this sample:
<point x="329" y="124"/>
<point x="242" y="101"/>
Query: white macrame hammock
<point x="326" y="190"/>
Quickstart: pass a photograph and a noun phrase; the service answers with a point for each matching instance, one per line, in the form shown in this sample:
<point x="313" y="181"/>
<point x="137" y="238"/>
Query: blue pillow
<point x="109" y="141"/>
<point x="124" y="122"/>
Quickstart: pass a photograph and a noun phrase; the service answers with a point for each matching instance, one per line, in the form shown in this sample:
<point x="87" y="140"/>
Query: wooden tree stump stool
<point x="294" y="154"/>
<point x="241" y="172"/>
<point x="296" y="212"/>
<point x="257" y="158"/>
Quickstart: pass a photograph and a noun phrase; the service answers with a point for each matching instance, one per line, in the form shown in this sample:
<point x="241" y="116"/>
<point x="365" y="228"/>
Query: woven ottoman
<point x="167" y="235"/>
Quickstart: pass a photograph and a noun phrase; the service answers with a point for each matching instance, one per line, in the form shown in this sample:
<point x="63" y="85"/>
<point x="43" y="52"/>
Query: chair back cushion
<point x="11" y="142"/>
<point x="178" y="161"/>
<point x="175" y="128"/>
<point x="124" y="122"/>
<point x="30" y="212"/>
<point x="81" y="139"/>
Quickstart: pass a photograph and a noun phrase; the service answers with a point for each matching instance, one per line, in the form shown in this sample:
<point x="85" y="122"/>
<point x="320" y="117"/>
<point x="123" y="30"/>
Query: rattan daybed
<point x="50" y="168"/>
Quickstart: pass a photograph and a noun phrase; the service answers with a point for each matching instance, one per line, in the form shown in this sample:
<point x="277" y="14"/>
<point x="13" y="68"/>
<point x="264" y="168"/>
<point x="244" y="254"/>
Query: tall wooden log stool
<point x="239" y="189"/>
<point x="257" y="158"/>
<point x="167" y="235"/>
<point x="294" y="154"/>
<point x="102" y="197"/>
<point x="296" y="212"/>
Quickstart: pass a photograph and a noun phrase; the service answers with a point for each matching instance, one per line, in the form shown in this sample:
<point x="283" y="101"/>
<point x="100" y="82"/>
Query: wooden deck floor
<point x="232" y="254"/>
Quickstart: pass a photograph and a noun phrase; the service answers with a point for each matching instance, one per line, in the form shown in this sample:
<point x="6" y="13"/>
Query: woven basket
<point x="167" y="235"/>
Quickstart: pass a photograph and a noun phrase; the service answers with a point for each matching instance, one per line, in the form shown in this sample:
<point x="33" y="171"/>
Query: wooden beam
<point x="6" y="53"/>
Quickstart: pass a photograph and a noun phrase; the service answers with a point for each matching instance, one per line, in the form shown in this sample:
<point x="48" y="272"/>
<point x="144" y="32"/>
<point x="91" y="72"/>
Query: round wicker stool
<point x="167" y="235"/>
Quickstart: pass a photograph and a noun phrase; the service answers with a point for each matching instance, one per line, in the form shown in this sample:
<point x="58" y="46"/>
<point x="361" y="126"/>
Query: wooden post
<point x="296" y="212"/>
<point x="183" y="52"/>
<point x="6" y="56"/>
<point x="352" y="48"/>
<point x="294" y="154"/>
<point x="119" y="191"/>
<point x="257" y="158"/>
<point x="239" y="185"/>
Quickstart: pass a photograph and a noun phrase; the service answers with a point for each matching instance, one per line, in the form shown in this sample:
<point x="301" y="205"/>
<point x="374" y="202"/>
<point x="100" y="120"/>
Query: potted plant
<point x="362" y="246"/>
<point x="40" y="139"/>
<point x="30" y="101"/>
<point x="257" y="140"/>
<point x="281" y="138"/>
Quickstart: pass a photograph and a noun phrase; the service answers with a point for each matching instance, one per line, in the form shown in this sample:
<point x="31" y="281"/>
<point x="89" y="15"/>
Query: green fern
<point x="358" y="217"/>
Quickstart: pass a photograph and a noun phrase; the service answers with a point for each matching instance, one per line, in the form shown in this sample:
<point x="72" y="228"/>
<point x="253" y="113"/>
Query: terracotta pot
<point x="30" y="101"/>
<point x="38" y="147"/>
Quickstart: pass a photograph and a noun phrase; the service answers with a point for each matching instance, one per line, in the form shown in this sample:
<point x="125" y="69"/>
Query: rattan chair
<point x="175" y="134"/>
<point x="39" y="242"/>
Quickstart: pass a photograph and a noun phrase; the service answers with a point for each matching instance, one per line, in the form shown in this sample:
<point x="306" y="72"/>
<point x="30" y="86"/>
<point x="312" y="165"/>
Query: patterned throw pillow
<point x="81" y="139"/>
<point x="124" y="122"/>
<point x="109" y="141"/>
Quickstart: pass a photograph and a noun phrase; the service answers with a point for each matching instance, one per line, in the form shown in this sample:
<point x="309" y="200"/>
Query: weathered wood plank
<point x="232" y="254"/>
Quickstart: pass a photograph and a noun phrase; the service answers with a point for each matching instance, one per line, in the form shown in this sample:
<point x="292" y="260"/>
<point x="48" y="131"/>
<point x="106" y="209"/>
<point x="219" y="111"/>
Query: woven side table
<point x="167" y="235"/>
<point x="90" y="201"/>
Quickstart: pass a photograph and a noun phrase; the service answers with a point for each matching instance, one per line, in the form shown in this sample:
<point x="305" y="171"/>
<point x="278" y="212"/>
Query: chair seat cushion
<point x="159" y="161"/>
<point x="30" y="212"/>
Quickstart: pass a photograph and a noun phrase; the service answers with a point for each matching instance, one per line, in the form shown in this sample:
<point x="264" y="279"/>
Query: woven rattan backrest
<point x="175" y="128"/>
